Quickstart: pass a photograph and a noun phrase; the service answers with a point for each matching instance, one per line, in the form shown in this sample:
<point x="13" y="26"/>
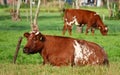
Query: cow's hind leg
<point x="69" y="29"/>
<point x="92" y="31"/>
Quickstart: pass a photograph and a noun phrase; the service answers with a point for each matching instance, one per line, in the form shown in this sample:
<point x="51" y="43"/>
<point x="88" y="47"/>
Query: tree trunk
<point x="31" y="21"/>
<point x="34" y="25"/>
<point x="119" y="5"/>
<point x="15" y="13"/>
<point x="18" y="8"/>
<point x="2" y="2"/>
<point x="95" y="2"/>
<point x="44" y="2"/>
<point x="78" y="28"/>
<point x="60" y="4"/>
<point x="109" y="9"/>
<point x="77" y="4"/>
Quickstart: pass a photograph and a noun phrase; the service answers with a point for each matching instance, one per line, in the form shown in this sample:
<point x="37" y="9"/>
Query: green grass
<point x="52" y="23"/>
<point x="38" y="69"/>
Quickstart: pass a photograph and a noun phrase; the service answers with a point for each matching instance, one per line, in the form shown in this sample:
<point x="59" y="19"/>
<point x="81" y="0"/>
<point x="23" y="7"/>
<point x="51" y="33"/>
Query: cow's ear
<point x="26" y="34"/>
<point x="42" y="38"/>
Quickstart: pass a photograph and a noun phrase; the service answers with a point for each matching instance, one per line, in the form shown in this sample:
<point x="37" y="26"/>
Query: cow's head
<point x="34" y="42"/>
<point x="103" y="30"/>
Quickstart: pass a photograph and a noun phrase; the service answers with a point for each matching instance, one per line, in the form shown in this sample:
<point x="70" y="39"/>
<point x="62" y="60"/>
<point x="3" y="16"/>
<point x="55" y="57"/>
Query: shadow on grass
<point x="4" y="17"/>
<point x="113" y="34"/>
<point x="14" y="28"/>
<point x="46" y="22"/>
<point x="8" y="17"/>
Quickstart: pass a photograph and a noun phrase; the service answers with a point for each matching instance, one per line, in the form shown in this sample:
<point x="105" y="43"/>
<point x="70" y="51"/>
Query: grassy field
<point x="52" y="23"/>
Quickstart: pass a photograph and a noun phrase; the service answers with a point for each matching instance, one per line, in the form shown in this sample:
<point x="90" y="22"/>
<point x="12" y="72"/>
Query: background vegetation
<point x="52" y="23"/>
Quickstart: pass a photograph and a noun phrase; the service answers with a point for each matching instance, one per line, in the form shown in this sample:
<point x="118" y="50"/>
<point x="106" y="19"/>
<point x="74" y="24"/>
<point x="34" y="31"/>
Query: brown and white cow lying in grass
<point x="59" y="51"/>
<point x="80" y="17"/>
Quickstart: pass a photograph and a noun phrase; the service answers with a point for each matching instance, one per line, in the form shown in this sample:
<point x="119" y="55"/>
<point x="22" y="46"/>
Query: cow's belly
<point x="60" y="60"/>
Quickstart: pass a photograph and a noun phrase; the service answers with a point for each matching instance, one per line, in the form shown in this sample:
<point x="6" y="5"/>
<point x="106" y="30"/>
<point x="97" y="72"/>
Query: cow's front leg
<point x="45" y="58"/>
<point x="87" y="30"/>
<point x="45" y="61"/>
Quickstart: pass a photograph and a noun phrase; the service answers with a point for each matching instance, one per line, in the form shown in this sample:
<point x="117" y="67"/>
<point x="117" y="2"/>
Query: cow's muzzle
<point x="28" y="50"/>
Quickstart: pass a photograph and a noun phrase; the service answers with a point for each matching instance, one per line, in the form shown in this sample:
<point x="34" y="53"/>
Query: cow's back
<point x="83" y="16"/>
<point x="69" y="51"/>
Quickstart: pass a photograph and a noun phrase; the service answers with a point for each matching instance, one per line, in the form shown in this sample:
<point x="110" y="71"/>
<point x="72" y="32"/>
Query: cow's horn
<point x="37" y="33"/>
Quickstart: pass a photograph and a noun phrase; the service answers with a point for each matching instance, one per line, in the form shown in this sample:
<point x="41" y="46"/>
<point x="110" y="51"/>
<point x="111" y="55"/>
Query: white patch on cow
<point x="81" y="53"/>
<point x="106" y="28"/>
<point x="37" y="33"/>
<point x="78" y="55"/>
<point x="70" y="23"/>
<point x="73" y="21"/>
<point x="95" y="62"/>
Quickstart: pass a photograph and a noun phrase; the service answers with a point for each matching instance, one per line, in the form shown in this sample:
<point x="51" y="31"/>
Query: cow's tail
<point x="106" y="62"/>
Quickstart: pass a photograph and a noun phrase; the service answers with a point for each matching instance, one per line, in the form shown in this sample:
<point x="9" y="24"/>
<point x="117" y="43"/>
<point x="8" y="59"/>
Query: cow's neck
<point x="100" y="24"/>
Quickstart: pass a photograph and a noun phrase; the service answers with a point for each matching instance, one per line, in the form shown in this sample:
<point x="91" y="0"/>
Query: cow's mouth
<point x="27" y="51"/>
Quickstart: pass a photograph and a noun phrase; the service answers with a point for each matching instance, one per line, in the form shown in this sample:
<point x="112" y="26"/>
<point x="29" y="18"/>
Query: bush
<point x="118" y="14"/>
<point x="116" y="11"/>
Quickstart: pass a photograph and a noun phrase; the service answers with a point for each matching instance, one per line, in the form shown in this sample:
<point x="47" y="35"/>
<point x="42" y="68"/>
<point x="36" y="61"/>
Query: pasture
<point x="52" y="23"/>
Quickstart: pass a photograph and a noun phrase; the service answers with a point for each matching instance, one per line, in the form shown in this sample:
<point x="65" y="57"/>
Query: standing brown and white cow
<point x="79" y="17"/>
<point x="58" y="50"/>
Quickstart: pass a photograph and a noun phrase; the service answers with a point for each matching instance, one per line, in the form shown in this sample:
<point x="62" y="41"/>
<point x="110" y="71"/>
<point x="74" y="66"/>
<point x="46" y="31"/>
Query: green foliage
<point x="23" y="5"/>
<point x="117" y="12"/>
<point x="67" y="5"/>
